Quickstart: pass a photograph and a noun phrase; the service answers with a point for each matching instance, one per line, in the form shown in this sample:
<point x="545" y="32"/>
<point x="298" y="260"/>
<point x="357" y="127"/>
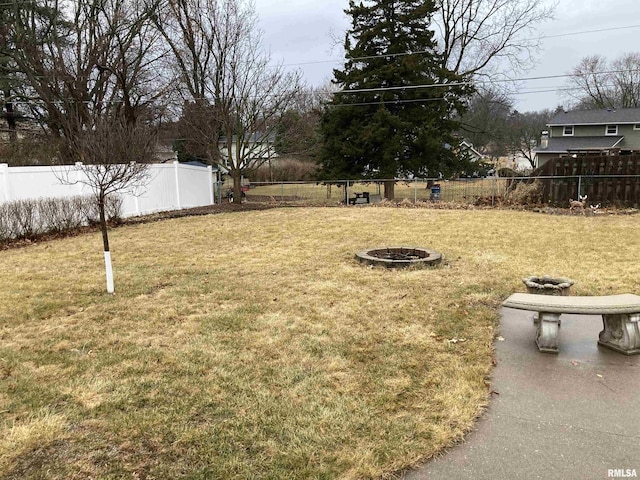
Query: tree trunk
<point x="237" y="186"/>
<point x="11" y="116"/>
<point x="389" y="189"/>
<point x="105" y="242"/>
<point x="103" y="221"/>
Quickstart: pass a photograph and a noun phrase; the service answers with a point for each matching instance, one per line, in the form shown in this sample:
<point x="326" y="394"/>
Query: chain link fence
<point x="359" y="192"/>
<point x="614" y="191"/>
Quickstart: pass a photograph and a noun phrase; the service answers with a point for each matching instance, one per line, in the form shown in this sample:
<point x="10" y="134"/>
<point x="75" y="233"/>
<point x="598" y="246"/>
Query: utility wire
<point x="481" y="82"/>
<point x="369" y="90"/>
<point x="589" y="31"/>
<point x="387" y="102"/>
<point x="421" y="52"/>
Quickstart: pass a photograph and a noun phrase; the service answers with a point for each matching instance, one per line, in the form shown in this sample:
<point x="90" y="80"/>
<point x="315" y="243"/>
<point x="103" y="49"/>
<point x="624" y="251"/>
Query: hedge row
<point x="31" y="219"/>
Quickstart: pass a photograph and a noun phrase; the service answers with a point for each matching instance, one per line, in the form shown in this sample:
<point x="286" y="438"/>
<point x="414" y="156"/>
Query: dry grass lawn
<point x="253" y="345"/>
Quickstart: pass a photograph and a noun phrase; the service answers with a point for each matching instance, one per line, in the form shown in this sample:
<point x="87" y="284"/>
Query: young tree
<point x="91" y="78"/>
<point x="379" y="125"/>
<point x="489" y="37"/>
<point x="113" y="157"/>
<point x="225" y="72"/>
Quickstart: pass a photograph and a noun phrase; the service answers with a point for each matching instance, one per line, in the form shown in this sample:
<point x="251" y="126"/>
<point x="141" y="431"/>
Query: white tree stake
<point x="109" y="270"/>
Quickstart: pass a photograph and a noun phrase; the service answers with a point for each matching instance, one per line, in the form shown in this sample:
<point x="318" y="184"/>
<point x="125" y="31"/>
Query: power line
<point x="404" y="87"/>
<point x="387" y="102"/>
<point x="481" y="82"/>
<point x="421" y="52"/>
<point x="589" y="31"/>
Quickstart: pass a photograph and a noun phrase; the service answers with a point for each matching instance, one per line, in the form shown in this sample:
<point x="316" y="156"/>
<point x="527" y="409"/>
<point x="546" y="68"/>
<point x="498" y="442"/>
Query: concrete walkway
<point x="574" y="415"/>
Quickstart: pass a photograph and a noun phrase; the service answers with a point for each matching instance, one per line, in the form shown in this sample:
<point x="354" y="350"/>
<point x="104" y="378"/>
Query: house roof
<point x="469" y="147"/>
<point x="596" y="117"/>
<point x="568" y="144"/>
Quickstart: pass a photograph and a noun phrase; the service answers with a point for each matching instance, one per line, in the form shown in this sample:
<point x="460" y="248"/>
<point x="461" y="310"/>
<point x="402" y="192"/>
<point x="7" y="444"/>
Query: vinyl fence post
<point x="176" y="166"/>
<point x="4" y="173"/>
<point x="415" y="190"/>
<point x="210" y="181"/>
<point x="346" y="193"/>
<point x="79" y="174"/>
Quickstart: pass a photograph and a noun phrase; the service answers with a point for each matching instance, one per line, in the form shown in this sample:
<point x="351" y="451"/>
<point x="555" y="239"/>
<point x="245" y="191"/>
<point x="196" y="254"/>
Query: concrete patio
<point x="571" y="415"/>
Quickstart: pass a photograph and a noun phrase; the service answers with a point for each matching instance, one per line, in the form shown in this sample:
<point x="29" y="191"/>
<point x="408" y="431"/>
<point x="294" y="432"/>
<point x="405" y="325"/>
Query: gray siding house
<point x="590" y="132"/>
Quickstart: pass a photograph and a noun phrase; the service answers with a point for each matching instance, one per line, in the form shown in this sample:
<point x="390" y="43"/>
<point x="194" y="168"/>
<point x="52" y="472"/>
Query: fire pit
<point x="399" y="257"/>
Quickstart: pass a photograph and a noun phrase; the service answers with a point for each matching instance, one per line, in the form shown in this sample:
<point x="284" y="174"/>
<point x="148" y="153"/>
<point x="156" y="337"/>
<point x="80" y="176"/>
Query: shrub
<point x="32" y="218"/>
<point x="524" y="192"/>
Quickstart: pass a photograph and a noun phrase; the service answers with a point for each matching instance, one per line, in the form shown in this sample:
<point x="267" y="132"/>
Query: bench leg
<point x="536" y="320"/>
<point x="621" y="333"/>
<point x="547" y="334"/>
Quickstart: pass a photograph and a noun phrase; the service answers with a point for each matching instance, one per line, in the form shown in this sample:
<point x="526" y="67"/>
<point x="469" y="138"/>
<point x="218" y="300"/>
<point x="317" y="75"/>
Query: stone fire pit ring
<point x="399" y="257"/>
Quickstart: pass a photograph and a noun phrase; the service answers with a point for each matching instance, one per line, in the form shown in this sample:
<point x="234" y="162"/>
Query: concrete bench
<point x="620" y="315"/>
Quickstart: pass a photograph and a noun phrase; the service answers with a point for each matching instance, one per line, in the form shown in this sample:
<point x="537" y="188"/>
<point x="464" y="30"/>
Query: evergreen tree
<point x="375" y="128"/>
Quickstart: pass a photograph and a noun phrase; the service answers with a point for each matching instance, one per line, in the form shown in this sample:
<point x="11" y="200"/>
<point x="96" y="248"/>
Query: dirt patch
<point x="224" y="207"/>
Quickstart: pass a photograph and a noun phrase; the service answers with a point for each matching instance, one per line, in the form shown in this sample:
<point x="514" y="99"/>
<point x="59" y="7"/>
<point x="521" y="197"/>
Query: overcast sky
<point x="302" y="34"/>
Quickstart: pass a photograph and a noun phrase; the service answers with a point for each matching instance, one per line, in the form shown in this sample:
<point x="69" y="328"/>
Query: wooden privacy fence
<point x="609" y="180"/>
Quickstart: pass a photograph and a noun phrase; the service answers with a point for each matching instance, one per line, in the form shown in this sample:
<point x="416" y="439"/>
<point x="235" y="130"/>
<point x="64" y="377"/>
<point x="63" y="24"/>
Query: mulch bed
<point x="189" y="212"/>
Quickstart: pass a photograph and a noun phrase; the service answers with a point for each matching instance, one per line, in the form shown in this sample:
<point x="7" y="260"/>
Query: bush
<point x="32" y="218"/>
<point x="524" y="192"/>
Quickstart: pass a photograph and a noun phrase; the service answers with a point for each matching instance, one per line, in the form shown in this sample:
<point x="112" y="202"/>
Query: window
<point x="636" y="126"/>
<point x="611" y="130"/>
<point x="568" y="131"/>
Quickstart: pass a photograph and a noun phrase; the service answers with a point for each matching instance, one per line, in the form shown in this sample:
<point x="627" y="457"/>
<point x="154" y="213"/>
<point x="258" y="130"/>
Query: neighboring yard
<point x="253" y="345"/>
<point x="466" y="191"/>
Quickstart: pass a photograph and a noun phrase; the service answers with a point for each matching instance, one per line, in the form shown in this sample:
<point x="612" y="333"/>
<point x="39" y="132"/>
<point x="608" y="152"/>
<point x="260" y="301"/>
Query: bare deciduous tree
<point x="485" y="121"/>
<point x="487" y="37"/>
<point x="497" y="130"/>
<point x="114" y="157"/>
<point x="523" y="133"/>
<point x="82" y="60"/>
<point x="224" y="71"/>
<point x="298" y="134"/>
<point x="599" y="83"/>
<point x="90" y="77"/>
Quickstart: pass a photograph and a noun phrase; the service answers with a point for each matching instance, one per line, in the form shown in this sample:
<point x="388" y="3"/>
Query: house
<point x="253" y="150"/>
<point x="590" y="132"/>
<point x="478" y="159"/>
<point x="516" y="161"/>
<point x="164" y="152"/>
<point x="472" y="154"/>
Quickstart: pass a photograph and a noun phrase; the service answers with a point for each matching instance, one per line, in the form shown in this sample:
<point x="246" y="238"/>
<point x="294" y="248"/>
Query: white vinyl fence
<point x="170" y="186"/>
